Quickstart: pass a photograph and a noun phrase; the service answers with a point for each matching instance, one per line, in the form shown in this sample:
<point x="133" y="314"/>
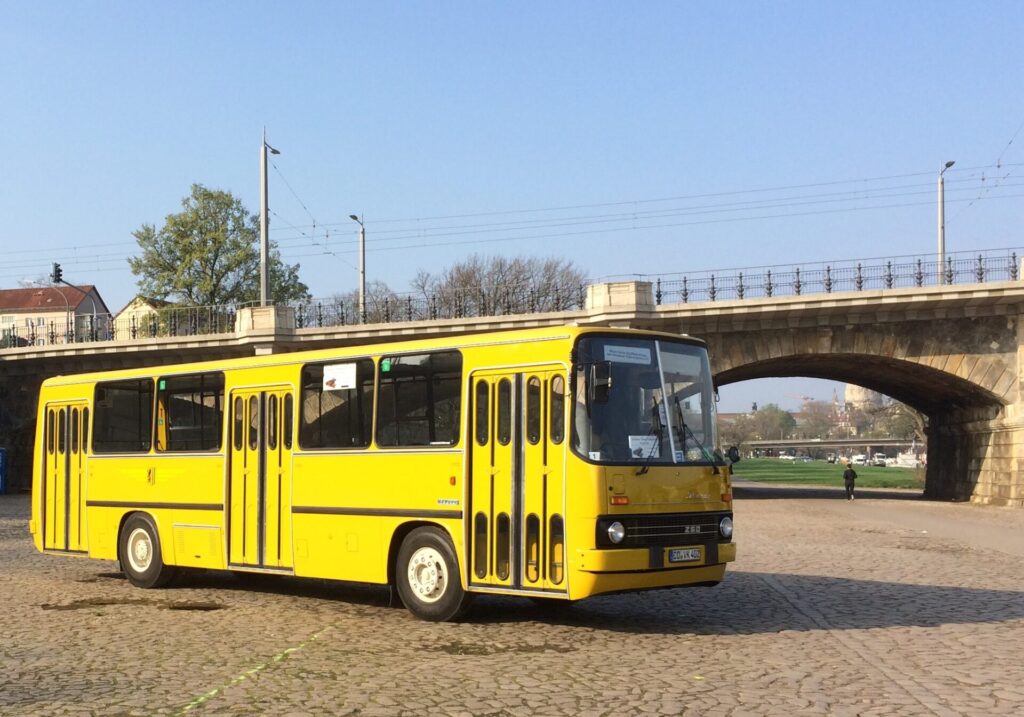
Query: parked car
<point x="858" y="459"/>
<point x="786" y="457"/>
<point x="879" y="459"/>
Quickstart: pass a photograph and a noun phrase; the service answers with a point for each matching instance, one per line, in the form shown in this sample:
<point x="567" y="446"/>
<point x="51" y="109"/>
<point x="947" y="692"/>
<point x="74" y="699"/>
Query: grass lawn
<point x="773" y="470"/>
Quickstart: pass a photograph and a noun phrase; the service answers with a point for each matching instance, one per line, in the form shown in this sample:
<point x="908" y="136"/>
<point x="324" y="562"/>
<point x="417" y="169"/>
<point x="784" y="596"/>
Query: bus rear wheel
<point x="427" y="575"/>
<point x="139" y="553"/>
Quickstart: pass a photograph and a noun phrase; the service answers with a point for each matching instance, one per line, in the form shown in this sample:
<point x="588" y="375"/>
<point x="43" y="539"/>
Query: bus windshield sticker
<point x="339" y="376"/>
<point x="385" y="365"/>
<point x="627" y="354"/>
<point x="644" y="447"/>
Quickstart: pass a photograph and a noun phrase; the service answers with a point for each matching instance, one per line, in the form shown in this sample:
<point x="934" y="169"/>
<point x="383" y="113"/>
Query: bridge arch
<point x="924" y="388"/>
<point x="962" y="375"/>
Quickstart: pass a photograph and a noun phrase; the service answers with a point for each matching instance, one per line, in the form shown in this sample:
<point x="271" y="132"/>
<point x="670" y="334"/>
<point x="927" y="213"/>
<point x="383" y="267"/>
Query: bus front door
<point x="517" y="501"/>
<point x="66" y="441"/>
<point x="259" y="487"/>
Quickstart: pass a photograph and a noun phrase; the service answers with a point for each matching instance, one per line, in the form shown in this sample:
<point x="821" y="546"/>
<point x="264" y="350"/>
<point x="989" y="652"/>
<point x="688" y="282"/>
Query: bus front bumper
<point x="610" y="560"/>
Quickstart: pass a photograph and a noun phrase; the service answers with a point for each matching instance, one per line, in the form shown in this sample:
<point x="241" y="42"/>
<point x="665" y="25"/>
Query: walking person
<point x="849" y="476"/>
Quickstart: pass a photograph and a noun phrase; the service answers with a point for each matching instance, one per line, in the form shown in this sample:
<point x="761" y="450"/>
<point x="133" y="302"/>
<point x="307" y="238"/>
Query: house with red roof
<point x="51" y="315"/>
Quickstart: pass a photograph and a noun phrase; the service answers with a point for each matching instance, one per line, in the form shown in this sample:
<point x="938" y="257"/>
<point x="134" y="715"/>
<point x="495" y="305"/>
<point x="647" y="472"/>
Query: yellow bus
<point x="553" y="463"/>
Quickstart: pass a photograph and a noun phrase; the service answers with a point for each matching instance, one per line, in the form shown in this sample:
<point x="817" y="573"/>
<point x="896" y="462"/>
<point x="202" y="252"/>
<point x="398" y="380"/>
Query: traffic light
<point x="57" y="275"/>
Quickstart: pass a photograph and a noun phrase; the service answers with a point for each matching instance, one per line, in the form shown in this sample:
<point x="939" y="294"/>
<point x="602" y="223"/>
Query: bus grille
<point x="662" y="529"/>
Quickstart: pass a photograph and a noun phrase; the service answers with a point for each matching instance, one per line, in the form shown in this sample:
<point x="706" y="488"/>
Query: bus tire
<point x="427" y="576"/>
<point x="139" y="552"/>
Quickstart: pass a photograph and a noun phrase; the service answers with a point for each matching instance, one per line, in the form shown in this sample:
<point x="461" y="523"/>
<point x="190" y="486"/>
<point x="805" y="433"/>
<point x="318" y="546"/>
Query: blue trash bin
<point x="3" y="471"/>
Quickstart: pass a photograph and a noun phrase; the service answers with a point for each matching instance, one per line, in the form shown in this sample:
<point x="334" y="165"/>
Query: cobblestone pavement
<point x="833" y="607"/>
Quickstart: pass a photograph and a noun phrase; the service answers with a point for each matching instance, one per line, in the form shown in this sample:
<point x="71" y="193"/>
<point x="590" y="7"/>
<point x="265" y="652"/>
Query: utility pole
<point x="264" y="226"/>
<point x="362" y="266"/>
<point x="942" y="222"/>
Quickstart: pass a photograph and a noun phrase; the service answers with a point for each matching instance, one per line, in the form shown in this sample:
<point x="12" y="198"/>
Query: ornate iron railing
<point x="838" y="276"/>
<point x="161" y="323"/>
<point x="469" y="303"/>
<point x="692" y="287"/>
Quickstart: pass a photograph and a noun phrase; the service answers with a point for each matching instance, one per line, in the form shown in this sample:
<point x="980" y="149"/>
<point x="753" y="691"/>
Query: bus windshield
<point x="643" y="401"/>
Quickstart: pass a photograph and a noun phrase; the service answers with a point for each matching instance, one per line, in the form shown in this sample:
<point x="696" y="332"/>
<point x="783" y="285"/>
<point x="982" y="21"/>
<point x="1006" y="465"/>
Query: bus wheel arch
<point x="426" y="574"/>
<point x="139" y="552"/>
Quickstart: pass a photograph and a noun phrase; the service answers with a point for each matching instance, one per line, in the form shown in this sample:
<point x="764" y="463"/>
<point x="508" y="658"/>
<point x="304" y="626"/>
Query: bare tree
<point x="382" y="304"/>
<point x="817" y="420"/>
<point x="481" y="286"/>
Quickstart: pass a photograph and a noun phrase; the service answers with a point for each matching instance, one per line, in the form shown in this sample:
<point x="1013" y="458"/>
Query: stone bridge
<point x="951" y="352"/>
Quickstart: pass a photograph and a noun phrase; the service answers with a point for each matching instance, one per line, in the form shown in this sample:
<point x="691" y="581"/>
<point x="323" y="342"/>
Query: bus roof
<point x="548" y="333"/>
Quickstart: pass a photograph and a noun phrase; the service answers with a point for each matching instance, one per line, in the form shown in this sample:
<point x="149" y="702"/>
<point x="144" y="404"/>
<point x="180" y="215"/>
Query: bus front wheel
<point x="139" y="553"/>
<point x="427" y="574"/>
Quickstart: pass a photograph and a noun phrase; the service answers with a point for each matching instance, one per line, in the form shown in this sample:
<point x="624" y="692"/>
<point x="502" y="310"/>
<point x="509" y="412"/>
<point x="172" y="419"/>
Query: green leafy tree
<point x="771" y="422"/>
<point x="208" y="254"/>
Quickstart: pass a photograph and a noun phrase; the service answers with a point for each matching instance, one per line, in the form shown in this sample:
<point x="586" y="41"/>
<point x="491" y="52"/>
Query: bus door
<point x="517" y="484"/>
<point x="66" y="441"/>
<point x="259" y="484"/>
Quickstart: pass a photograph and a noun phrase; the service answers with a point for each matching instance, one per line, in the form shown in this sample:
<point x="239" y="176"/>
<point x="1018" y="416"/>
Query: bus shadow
<point x="748" y="490"/>
<point x="759" y="603"/>
<point x="746" y="603"/>
<point x="313" y="589"/>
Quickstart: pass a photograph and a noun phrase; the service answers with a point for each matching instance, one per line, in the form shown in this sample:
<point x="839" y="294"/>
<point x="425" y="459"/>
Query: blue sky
<point x="402" y="111"/>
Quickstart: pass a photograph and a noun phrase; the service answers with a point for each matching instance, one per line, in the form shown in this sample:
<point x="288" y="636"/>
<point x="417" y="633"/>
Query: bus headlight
<point x="725" y="527"/>
<point x="616" y="532"/>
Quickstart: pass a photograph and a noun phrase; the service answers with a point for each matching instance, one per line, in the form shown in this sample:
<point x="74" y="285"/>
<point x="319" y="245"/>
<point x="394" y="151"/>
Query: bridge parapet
<point x="781" y="280"/>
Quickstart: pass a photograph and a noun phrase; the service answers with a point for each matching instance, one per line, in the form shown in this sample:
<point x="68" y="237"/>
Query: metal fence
<point x="719" y="285"/>
<point x="161" y="323"/>
<point x="470" y="303"/>
<point x="839" y="276"/>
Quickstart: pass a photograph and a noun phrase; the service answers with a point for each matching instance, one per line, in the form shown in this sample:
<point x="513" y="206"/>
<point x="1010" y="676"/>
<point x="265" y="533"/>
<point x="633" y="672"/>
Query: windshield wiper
<point x="687" y="431"/>
<point x="657" y="429"/>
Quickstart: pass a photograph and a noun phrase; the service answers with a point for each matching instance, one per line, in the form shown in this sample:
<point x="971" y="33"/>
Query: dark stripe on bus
<point x="134" y="504"/>
<point x="377" y="512"/>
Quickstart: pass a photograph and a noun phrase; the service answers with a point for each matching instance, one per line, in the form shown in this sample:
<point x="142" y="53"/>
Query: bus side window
<point x="62" y="430"/>
<point x="74" y="430"/>
<point x="335" y="417"/>
<point x="50" y="431"/>
<point x="419" y="399"/>
<point x="254" y="422"/>
<point x="272" y="422"/>
<point x="483" y="390"/>
<point x="124" y="416"/>
<point x="289" y="417"/>
<point x="85" y="430"/>
<point x="533" y="410"/>
<point x="192" y="411"/>
<point x="557" y="409"/>
<point x="239" y="418"/>
<point x="504" y="411"/>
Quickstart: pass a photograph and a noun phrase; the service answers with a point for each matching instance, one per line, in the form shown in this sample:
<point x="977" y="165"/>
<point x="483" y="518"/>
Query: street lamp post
<point x="362" y="266"/>
<point x="264" y="233"/>
<point x="942" y="221"/>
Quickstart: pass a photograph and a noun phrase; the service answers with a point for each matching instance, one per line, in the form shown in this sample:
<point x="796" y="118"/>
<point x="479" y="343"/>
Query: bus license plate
<point x="683" y="555"/>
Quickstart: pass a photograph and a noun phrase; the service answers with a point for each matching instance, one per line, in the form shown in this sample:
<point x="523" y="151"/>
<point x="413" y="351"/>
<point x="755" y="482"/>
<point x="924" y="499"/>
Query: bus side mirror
<point x="733" y="454"/>
<point x="600" y="382"/>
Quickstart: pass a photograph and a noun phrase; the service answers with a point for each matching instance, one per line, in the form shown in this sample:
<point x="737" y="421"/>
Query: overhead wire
<point x="638" y="220"/>
<point x="998" y="165"/>
<point x="557" y="235"/>
<point x="647" y="216"/>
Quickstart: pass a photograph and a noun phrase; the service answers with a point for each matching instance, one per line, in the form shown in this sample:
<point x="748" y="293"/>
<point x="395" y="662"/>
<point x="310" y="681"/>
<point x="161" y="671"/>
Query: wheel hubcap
<point x="140" y="550"/>
<point x="427" y="576"/>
